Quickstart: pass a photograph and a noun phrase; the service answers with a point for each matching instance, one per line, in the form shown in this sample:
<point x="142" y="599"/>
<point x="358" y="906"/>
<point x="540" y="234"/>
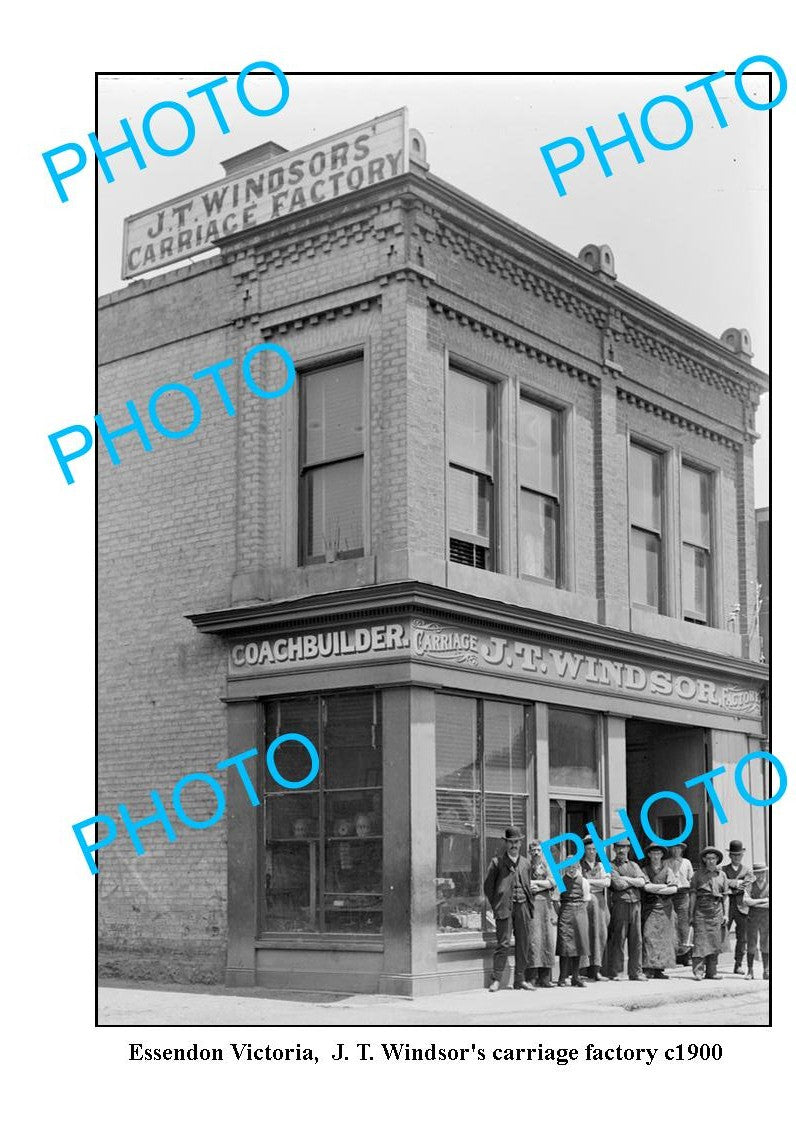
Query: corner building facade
<point x="494" y="554"/>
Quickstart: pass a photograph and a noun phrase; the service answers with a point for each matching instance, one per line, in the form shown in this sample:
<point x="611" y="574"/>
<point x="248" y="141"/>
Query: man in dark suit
<point x="740" y="877"/>
<point x="508" y="889"/>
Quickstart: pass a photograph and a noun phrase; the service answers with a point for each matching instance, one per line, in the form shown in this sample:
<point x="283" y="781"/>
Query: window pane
<point x="353" y="892"/>
<point x="290" y="874"/>
<point x="574" y="760"/>
<point x="557" y="827"/>
<point x="459" y="875"/>
<point x="696" y="576"/>
<point x="332" y="401"/>
<point x="501" y="811"/>
<point x="292" y="715"/>
<point x="538" y="536"/>
<point x="504" y="749"/>
<point x="457" y="751"/>
<point x="352" y="753"/>
<point x="645" y="568"/>
<point x="539" y="448"/>
<point x="333" y="510"/>
<point x="695" y="507"/>
<point x="645" y="488"/>
<point x="469" y="503"/>
<point x="469" y="409"/>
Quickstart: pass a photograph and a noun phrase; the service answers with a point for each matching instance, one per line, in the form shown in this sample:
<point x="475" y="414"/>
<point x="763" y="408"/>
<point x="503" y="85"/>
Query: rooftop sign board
<point x="283" y="185"/>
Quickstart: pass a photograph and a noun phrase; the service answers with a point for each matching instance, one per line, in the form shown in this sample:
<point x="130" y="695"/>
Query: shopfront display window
<point x="482" y="787"/>
<point x="574" y="750"/>
<point x="321" y="860"/>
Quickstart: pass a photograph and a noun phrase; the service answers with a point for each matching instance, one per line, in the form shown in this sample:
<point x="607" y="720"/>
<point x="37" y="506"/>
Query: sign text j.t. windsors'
<point x="283" y="185"/>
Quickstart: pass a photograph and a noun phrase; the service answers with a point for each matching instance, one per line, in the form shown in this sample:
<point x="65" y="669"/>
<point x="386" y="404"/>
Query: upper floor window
<point x="695" y="514"/>
<point x="539" y="467"/>
<point x="646" y="527"/>
<point x="332" y="452"/>
<point x="471" y="480"/>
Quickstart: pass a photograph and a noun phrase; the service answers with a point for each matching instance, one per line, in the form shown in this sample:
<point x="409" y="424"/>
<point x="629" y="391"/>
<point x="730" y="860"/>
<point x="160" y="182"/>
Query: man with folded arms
<point x="627" y="880"/>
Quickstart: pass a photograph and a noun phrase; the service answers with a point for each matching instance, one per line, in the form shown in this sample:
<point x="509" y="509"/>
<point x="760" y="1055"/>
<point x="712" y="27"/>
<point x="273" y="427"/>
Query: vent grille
<point x="468" y="553"/>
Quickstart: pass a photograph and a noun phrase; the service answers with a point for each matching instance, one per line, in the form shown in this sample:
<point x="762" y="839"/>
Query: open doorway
<point x="570" y="816"/>
<point x="661" y="757"/>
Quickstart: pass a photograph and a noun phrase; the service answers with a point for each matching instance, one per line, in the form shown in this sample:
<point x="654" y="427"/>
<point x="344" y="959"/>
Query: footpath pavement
<point x="680" y="1000"/>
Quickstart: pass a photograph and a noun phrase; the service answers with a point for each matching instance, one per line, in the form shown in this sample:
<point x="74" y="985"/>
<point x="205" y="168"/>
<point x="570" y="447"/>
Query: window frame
<point x="560" y="413"/>
<point x="529" y="795"/>
<point x="581" y="795"/>
<point x="315" y="366"/>
<point x="490" y="544"/>
<point x="321" y="792"/>
<point x="662" y="608"/>
<point x="688" y="465"/>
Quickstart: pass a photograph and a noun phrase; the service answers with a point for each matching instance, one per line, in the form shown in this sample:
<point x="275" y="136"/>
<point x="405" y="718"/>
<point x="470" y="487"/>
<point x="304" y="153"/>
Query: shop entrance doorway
<point x="661" y="757"/>
<point x="570" y="816"/>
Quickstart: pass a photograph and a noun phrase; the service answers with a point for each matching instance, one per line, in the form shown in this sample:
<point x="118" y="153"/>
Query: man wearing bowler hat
<point x="739" y="877"/>
<point x="507" y="887"/>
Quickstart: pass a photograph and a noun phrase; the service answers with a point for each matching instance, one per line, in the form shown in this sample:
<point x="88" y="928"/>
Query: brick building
<point x="763" y="529"/>
<point x="494" y="554"/>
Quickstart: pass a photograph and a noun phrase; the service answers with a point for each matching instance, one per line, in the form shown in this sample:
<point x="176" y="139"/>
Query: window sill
<point x="650" y="623"/>
<point x="322" y="941"/>
<point x="465" y="941"/>
<point x="293" y="581"/>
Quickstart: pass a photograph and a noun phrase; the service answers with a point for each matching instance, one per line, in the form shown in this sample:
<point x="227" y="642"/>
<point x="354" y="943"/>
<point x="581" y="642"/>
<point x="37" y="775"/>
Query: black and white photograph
<point x="390" y="459"/>
<point x="473" y="512"/>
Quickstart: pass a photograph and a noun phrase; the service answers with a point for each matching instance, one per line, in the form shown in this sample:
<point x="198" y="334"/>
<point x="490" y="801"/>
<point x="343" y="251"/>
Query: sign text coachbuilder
<point x="480" y="651"/>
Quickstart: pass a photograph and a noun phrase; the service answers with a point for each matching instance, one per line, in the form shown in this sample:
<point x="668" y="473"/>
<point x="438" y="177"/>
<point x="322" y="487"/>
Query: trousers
<point x="625" y="926"/>
<point x="705" y="967"/>
<point x="740" y="919"/>
<point x="520" y="924"/>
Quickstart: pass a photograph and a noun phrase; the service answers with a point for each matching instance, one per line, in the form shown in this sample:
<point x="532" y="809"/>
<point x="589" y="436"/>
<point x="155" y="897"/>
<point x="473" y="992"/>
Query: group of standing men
<point x="664" y="912"/>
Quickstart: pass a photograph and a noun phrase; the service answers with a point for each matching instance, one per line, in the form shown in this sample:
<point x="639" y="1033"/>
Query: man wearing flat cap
<point x="508" y="889"/>
<point x="739" y="878"/>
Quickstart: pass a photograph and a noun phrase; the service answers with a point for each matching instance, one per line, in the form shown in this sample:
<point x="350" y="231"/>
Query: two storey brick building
<point x="494" y="554"/>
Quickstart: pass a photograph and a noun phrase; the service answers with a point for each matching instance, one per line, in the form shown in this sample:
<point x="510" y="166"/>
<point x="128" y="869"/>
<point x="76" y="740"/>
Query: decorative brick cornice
<point x="660" y="348"/>
<point x="513" y="342"/>
<point x="622" y="324"/>
<point x="272" y="328"/>
<point x="674" y="418"/>
<point x="252" y="261"/>
<point x="510" y="268"/>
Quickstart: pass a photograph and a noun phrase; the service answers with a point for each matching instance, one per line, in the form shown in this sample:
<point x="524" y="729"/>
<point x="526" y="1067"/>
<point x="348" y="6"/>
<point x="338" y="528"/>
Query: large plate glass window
<point x="332" y="451"/>
<point x="321" y="867"/>
<point x="482" y="787"/>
